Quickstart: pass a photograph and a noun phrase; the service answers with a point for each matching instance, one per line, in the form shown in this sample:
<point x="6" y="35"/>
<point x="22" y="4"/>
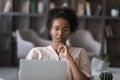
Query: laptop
<point x="42" y="70"/>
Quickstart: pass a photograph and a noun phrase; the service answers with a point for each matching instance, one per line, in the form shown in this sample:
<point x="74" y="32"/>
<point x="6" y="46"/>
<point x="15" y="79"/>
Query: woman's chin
<point x="61" y="42"/>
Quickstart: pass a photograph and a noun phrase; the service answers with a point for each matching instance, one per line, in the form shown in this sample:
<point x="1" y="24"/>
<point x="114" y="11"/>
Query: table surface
<point x="8" y="73"/>
<point x="11" y="73"/>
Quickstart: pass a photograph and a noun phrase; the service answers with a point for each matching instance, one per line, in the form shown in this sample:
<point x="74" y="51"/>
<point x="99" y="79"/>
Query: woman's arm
<point x="77" y="73"/>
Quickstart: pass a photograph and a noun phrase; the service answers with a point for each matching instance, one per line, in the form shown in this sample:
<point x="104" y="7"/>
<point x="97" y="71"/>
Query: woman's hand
<point x="63" y="50"/>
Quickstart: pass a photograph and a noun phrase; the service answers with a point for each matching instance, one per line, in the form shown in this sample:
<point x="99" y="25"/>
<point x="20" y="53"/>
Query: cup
<point x="114" y="12"/>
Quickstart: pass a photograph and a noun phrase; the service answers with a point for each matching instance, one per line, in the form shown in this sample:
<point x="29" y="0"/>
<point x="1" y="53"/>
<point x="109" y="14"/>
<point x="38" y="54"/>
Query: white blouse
<point x="79" y="54"/>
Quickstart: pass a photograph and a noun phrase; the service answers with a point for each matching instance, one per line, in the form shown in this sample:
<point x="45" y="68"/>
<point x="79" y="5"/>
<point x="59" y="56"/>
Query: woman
<point x="61" y="22"/>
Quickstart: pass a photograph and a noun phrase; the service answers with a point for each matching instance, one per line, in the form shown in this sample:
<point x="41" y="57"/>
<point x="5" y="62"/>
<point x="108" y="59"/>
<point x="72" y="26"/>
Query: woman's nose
<point x="60" y="32"/>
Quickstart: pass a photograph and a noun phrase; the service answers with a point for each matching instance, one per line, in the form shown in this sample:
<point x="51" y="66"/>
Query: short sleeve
<point x="84" y="63"/>
<point x="34" y="54"/>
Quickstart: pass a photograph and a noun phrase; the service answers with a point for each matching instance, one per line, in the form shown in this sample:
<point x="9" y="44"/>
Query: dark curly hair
<point x="66" y="13"/>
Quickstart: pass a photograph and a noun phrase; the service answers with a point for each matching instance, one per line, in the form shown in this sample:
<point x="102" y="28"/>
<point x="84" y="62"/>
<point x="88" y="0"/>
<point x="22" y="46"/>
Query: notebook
<point x="42" y="70"/>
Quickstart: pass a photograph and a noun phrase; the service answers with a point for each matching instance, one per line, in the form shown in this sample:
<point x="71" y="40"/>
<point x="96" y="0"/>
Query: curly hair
<point x="65" y="13"/>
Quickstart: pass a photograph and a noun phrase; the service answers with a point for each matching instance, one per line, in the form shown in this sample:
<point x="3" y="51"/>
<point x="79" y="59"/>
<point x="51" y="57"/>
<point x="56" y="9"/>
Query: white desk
<point x="1" y="79"/>
<point x="114" y="71"/>
<point x="8" y="73"/>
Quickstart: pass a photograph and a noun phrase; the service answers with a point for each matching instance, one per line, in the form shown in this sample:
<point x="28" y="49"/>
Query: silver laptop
<point x="42" y="70"/>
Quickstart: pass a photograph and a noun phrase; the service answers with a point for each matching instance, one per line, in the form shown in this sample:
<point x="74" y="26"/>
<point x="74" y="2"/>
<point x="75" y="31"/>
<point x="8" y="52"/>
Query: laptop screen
<point x="42" y="70"/>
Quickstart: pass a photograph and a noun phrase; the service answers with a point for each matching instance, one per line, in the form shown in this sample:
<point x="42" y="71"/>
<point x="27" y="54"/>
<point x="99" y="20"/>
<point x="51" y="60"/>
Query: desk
<point x="8" y="73"/>
<point x="1" y="79"/>
<point x="114" y="71"/>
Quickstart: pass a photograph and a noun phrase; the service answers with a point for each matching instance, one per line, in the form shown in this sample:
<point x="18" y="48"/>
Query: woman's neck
<point x="54" y="47"/>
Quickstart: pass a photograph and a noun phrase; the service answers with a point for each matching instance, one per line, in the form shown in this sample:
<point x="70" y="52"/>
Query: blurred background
<point x="22" y="28"/>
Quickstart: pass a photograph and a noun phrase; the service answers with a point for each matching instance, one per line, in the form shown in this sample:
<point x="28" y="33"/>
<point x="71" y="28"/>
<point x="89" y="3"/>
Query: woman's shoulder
<point x="78" y="51"/>
<point x="40" y="48"/>
<point x="76" y="48"/>
<point x="73" y="49"/>
<point x="37" y="52"/>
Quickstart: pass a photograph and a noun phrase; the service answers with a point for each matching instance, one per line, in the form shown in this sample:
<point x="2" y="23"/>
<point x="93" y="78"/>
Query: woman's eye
<point x="66" y="29"/>
<point x="56" y="29"/>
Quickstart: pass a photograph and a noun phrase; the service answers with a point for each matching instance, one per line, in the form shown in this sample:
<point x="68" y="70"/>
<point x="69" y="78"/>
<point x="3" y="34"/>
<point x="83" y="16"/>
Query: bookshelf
<point x="5" y="39"/>
<point x="24" y="14"/>
<point x="113" y="42"/>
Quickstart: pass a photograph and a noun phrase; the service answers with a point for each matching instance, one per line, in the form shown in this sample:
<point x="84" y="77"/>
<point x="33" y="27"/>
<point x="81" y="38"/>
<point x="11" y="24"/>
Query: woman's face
<point x="60" y="30"/>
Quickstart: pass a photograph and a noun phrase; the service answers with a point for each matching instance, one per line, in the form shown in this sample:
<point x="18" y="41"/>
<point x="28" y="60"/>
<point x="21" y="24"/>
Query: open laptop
<point x="42" y="70"/>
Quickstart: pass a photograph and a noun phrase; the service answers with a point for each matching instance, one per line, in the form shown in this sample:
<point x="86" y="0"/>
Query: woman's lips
<point x="59" y="39"/>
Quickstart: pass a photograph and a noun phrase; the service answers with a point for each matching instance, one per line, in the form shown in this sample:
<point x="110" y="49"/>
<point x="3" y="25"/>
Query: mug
<point x="114" y="12"/>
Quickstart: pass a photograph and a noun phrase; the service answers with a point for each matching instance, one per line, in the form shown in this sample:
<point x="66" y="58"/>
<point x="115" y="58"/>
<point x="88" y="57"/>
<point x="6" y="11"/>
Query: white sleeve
<point x="34" y="54"/>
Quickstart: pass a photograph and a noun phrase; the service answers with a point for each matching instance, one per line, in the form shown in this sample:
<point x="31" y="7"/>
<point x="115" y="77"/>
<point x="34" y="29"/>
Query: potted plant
<point x="100" y="63"/>
<point x="106" y="76"/>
